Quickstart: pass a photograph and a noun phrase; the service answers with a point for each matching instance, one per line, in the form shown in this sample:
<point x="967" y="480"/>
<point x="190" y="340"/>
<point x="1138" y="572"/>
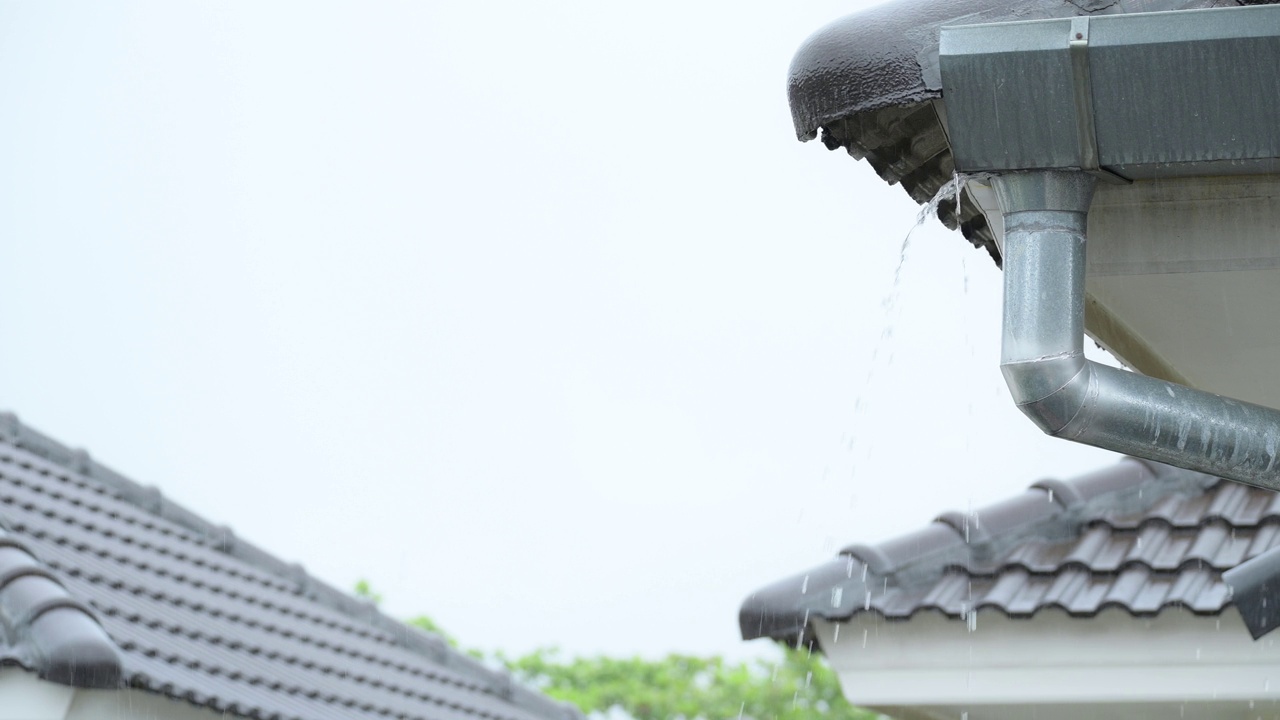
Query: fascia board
<point x="24" y="696"/>
<point x="1050" y="658"/>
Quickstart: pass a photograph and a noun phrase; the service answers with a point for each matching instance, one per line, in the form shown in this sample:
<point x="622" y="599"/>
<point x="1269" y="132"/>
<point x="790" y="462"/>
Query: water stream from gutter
<point x="949" y="192"/>
<point x="882" y="355"/>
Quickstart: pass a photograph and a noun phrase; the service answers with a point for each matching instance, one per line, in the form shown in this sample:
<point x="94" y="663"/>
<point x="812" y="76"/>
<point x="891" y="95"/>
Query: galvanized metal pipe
<point x="1068" y="396"/>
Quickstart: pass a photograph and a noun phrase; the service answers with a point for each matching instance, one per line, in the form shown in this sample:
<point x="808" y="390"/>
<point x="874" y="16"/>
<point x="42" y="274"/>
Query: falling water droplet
<point x="835" y="637"/>
<point x="864" y="637"/>
<point x="837" y="595"/>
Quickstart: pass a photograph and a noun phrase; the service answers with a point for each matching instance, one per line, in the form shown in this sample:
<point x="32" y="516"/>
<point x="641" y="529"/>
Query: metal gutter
<point x="1162" y="94"/>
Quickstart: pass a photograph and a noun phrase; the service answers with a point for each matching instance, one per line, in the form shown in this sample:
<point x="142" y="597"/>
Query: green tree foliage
<point x="677" y="687"/>
<point x="690" y="687"/>
<point x="365" y="591"/>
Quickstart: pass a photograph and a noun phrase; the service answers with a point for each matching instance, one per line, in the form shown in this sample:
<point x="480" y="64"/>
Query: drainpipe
<point x="1068" y="396"/>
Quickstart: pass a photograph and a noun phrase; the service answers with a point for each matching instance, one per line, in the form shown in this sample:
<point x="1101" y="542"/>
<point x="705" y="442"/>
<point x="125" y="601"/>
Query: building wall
<point x="1052" y="665"/>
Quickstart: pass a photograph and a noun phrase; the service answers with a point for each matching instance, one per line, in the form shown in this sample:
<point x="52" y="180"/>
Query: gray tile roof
<point x="1138" y="536"/>
<point x="106" y="583"/>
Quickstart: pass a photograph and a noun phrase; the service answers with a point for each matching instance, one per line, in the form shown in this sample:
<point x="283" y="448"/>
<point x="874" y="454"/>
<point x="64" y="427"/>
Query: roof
<point x="1141" y="537"/>
<point x="870" y="82"/>
<point x="106" y="583"/>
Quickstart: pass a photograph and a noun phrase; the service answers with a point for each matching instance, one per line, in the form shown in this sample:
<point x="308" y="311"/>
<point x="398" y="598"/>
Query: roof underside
<point x="193" y="613"/>
<point x="1138" y="537"/>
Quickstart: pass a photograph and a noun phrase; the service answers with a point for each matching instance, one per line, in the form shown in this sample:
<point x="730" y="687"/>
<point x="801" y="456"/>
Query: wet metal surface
<point x="1083" y="92"/>
<point x="1068" y="396"/>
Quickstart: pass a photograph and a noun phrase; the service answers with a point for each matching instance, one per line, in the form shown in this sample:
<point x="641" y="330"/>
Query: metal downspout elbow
<point x="1066" y="395"/>
<point x="1042" y="349"/>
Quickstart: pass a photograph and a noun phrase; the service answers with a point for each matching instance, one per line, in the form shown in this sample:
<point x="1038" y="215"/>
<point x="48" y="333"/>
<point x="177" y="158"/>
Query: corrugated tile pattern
<point x="1171" y="554"/>
<point x="193" y="622"/>
<point x="1139" y="536"/>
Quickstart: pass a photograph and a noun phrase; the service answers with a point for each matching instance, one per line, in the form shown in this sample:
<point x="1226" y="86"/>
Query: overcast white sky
<point x="535" y="315"/>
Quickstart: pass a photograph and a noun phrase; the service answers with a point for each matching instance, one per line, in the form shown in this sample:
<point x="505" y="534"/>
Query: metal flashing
<point x="1255" y="589"/>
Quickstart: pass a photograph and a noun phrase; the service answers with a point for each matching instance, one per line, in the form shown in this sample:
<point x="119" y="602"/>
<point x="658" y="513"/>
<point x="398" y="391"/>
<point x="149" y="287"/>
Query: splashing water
<point x="951" y="190"/>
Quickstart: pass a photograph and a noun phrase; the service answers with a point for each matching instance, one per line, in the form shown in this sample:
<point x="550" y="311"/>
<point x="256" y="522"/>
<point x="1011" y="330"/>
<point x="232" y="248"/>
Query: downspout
<point x="1069" y="396"/>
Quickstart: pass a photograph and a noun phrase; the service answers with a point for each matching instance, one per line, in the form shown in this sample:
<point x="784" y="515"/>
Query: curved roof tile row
<point x="1138" y="536"/>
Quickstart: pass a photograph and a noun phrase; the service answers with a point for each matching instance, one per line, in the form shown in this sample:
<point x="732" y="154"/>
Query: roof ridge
<point x="994" y="572"/>
<point x="1049" y="503"/>
<point x="222" y="539"/>
<point x="1076" y="502"/>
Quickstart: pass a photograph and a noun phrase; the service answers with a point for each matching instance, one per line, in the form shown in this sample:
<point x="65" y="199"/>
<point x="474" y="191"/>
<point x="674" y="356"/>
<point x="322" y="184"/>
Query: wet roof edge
<point x="842" y="587"/>
<point x="887" y="55"/>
